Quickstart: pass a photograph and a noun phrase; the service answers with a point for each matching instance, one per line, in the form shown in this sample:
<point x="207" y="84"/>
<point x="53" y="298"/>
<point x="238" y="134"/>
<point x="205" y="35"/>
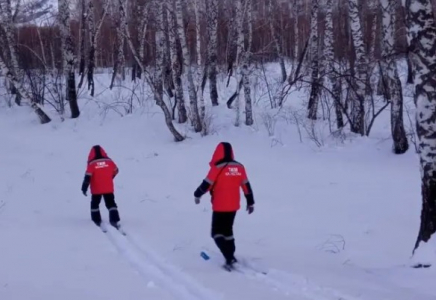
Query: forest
<point x="343" y="54"/>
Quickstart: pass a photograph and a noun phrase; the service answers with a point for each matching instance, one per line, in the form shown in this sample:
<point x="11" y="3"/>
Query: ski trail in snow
<point x="300" y="285"/>
<point x="295" y="285"/>
<point x="289" y="284"/>
<point x="151" y="266"/>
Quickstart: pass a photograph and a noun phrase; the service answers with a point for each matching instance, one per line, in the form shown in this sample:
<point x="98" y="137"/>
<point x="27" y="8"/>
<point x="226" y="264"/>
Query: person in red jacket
<point x="100" y="172"/>
<point x="224" y="180"/>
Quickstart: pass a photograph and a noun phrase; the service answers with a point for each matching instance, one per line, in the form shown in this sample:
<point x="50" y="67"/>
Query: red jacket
<point x="225" y="179"/>
<point x="100" y="172"/>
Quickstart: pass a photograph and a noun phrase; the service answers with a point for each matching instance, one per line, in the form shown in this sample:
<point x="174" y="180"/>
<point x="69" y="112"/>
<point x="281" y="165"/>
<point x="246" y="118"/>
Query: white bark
<point x="212" y="20"/>
<point x="176" y="68"/>
<point x="314" y="50"/>
<point x="5" y="71"/>
<point x="157" y="82"/>
<point x="195" y="117"/>
<point x="94" y="32"/>
<point x="201" y="64"/>
<point x="6" y="21"/>
<point x="358" y="105"/>
<point x="83" y="21"/>
<point x="391" y="79"/>
<point x="68" y="56"/>
<point x="329" y="61"/>
<point x="276" y="40"/>
<point x="120" y="27"/>
<point x="296" y="13"/>
<point x="422" y="40"/>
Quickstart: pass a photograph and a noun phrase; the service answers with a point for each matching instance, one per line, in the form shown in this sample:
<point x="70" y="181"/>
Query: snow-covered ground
<point x="331" y="222"/>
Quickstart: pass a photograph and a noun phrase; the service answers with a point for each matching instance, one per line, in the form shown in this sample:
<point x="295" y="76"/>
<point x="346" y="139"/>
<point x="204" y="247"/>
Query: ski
<point x="102" y="227"/>
<point x="227" y="267"/>
<point x="421" y="266"/>
<point x="119" y="228"/>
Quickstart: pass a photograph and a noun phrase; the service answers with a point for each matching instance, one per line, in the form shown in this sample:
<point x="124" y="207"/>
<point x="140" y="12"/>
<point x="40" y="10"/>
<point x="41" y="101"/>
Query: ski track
<point x="150" y="266"/>
<point x="289" y="284"/>
<point x="295" y="285"/>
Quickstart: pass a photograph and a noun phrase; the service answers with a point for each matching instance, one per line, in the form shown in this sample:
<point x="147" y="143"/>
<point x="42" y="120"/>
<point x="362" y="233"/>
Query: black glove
<point x="84" y="192"/>
<point x="250" y="209"/>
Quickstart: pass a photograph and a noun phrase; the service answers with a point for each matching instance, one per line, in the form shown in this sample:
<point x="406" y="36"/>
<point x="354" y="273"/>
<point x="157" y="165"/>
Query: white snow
<point x="331" y="222"/>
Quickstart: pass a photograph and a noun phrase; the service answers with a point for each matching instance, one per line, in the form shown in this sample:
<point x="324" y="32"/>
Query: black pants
<point x="222" y="233"/>
<point x="109" y="200"/>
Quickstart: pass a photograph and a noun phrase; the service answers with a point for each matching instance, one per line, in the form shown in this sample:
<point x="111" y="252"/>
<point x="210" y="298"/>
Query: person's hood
<point x="97" y="152"/>
<point x="223" y="153"/>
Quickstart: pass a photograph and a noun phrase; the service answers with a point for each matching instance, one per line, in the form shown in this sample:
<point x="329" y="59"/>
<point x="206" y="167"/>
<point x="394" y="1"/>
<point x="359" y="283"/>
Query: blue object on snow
<point x="204" y="255"/>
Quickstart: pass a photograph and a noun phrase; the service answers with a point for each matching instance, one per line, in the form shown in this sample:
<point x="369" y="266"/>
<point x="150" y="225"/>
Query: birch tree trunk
<point x="8" y="28"/>
<point x="276" y="40"/>
<point x="120" y="60"/>
<point x="314" y="50"/>
<point x="4" y="70"/>
<point x="239" y="55"/>
<point x="391" y="78"/>
<point x="329" y="60"/>
<point x="212" y="50"/>
<point x="422" y="40"/>
<point x="175" y="64"/>
<point x="361" y="65"/>
<point x="246" y="66"/>
<point x="69" y="58"/>
<point x="82" y="62"/>
<point x="93" y="39"/>
<point x="157" y="82"/>
<point x="195" y="117"/>
<point x="201" y="64"/>
<point x="296" y="11"/>
<point x="143" y="31"/>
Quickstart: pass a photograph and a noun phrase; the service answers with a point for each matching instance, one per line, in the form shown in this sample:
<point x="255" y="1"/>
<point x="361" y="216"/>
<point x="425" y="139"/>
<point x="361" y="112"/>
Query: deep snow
<point x="336" y="222"/>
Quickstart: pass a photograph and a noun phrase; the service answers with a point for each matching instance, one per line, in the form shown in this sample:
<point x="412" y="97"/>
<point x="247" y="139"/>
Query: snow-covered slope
<point x="336" y="222"/>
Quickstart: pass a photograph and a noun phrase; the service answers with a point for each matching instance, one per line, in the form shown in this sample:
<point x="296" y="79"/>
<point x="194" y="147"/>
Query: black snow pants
<point x="222" y="233"/>
<point x="109" y="200"/>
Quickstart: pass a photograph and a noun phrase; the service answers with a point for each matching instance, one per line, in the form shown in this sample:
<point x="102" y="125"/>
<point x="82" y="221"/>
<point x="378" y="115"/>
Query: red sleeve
<point x="116" y="170"/>
<point x="212" y="176"/>
<point x="89" y="170"/>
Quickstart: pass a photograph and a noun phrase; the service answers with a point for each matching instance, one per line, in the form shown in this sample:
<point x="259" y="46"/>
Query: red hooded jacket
<point x="100" y="172"/>
<point x="225" y="179"/>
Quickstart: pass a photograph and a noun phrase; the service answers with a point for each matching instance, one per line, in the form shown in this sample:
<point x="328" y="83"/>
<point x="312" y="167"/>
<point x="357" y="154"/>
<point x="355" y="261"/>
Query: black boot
<point x="95" y="216"/>
<point x="114" y="217"/>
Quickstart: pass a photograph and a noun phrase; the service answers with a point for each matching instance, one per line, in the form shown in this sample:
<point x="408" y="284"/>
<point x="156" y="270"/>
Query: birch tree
<point x="194" y="113"/>
<point x="5" y="71"/>
<point x="246" y="65"/>
<point x="7" y="26"/>
<point x="314" y="50"/>
<point x="94" y="32"/>
<point x="391" y="79"/>
<point x="68" y="56"/>
<point x="422" y="40"/>
<point x="329" y="60"/>
<point x="296" y="9"/>
<point x="276" y="39"/>
<point x="82" y="63"/>
<point x="120" y="29"/>
<point x="212" y="50"/>
<point x="157" y="81"/>
<point x="176" y="68"/>
<point x="201" y="64"/>
<point x="361" y="65"/>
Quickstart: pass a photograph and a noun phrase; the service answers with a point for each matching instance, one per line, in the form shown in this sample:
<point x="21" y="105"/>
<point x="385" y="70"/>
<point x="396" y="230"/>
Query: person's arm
<point x="87" y="179"/>
<point x="116" y="170"/>
<point x="248" y="191"/>
<point x="207" y="183"/>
